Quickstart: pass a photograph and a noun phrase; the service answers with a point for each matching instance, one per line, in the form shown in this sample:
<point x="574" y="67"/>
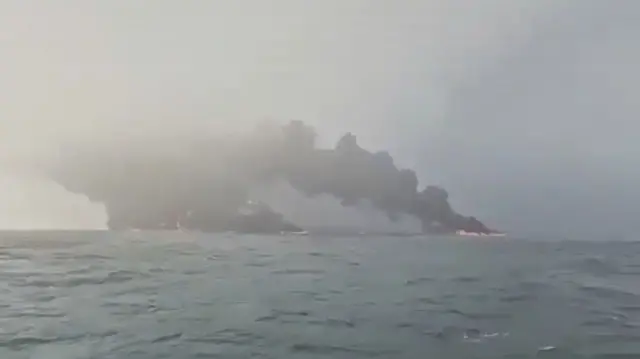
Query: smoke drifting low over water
<point x="31" y="202"/>
<point x="177" y="295"/>
<point x="201" y="184"/>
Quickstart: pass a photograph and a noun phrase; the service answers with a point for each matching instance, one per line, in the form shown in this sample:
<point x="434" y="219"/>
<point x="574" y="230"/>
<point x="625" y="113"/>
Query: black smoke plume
<point x="202" y="185"/>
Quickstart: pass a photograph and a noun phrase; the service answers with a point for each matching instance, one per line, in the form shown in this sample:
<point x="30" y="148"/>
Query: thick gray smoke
<point x="107" y="69"/>
<point x="524" y="110"/>
<point x="206" y="182"/>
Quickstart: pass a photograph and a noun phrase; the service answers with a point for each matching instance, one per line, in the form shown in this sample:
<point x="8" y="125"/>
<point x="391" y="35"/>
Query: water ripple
<point x="171" y="295"/>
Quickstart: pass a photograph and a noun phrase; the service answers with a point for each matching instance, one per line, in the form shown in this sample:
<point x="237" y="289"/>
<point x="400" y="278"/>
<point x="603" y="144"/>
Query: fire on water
<point x="476" y="234"/>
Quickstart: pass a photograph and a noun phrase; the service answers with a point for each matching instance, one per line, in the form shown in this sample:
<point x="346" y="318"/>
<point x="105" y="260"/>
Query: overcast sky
<point x="523" y="109"/>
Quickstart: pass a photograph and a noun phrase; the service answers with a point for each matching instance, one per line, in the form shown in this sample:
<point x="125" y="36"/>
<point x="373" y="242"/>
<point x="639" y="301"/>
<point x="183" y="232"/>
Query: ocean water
<point x="177" y="295"/>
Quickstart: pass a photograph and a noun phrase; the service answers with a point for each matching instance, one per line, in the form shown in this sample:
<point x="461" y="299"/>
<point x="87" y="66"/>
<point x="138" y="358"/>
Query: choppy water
<point x="171" y="295"/>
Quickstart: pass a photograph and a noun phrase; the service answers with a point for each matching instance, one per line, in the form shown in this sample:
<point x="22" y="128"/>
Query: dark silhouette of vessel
<point x="258" y="218"/>
<point x="252" y="218"/>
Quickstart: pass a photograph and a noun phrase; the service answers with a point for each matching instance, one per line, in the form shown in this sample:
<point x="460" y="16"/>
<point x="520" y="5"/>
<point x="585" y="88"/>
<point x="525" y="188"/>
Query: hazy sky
<point x="522" y="109"/>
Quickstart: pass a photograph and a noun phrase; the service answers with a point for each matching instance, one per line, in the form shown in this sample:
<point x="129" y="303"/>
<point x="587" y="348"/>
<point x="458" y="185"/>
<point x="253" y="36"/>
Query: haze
<point x="523" y="110"/>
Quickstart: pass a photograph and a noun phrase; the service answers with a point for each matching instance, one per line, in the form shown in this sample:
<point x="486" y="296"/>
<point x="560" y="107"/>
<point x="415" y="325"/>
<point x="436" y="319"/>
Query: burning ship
<point x="205" y="187"/>
<point x="258" y="218"/>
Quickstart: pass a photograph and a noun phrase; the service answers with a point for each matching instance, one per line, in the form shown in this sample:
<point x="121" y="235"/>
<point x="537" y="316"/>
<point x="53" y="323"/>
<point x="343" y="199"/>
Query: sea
<point x="143" y="295"/>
